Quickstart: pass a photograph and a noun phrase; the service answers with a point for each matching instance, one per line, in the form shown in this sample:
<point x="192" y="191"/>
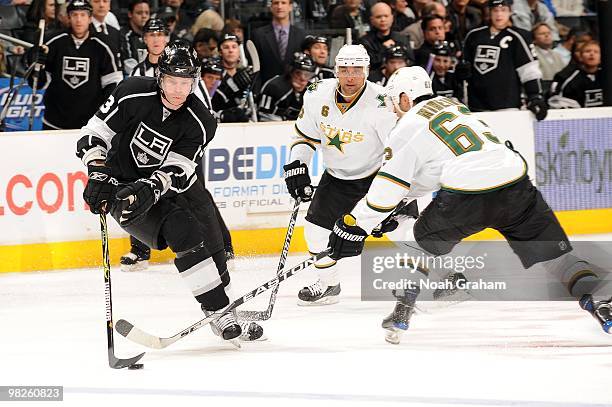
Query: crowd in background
<point x="296" y="42"/>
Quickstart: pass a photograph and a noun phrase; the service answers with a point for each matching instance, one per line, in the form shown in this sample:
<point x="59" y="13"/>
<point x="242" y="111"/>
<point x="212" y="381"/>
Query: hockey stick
<point x="41" y="26"/>
<point x="250" y="46"/>
<point x="113" y="361"/>
<point x="137" y="335"/>
<point x="265" y="315"/>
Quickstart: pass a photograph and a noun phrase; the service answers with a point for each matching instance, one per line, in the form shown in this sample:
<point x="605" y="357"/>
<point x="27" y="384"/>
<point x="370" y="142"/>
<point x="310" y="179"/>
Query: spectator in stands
<point x="277" y="42"/>
<point x="401" y="19"/>
<point x="106" y="31"/>
<point x="230" y="99"/>
<point x="133" y="48"/>
<point x="350" y="14"/>
<point x="3" y="71"/>
<point x="212" y="72"/>
<point x="282" y="97"/>
<point x="550" y="62"/>
<point x="81" y="69"/>
<point x="181" y="21"/>
<point x="564" y="49"/>
<point x="381" y="36"/>
<point x="209" y="18"/>
<point x="434" y="33"/>
<point x="156" y="36"/>
<point x="526" y="13"/>
<point x="102" y="14"/>
<point x="583" y="86"/>
<point x="415" y="31"/>
<point x="444" y="82"/>
<point x="206" y="43"/>
<point x="38" y="10"/>
<point x="394" y="58"/>
<point x="418" y="7"/>
<point x="499" y="62"/>
<point x="317" y="48"/>
<point x="463" y="18"/>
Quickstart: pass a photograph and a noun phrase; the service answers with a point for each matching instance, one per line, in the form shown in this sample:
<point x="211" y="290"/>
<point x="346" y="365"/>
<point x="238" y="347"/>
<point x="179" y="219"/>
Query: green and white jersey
<point x="351" y="136"/>
<point x="439" y="144"/>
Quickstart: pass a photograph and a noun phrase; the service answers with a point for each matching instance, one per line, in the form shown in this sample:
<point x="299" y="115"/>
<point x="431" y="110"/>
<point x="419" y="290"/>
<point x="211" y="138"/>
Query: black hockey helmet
<point x="212" y="65"/>
<point x="179" y="59"/>
<point x="155" y="25"/>
<point x="228" y="37"/>
<point x="441" y="48"/>
<point x="303" y="62"/>
<point x="79" y="5"/>
<point x="396" y="51"/>
<point x="495" y="3"/>
<point x="310" y="40"/>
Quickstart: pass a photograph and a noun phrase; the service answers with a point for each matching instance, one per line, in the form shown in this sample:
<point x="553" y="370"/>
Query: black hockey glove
<point x="463" y="71"/>
<point x="403" y="210"/>
<point x="241" y="81"/>
<point x="347" y="239"/>
<point x="100" y="189"/>
<point x="538" y="107"/>
<point x="298" y="181"/>
<point x="137" y="198"/>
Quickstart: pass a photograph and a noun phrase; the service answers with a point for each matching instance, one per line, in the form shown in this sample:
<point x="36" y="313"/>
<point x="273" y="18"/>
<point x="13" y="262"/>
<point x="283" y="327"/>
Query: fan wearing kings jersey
<point x="438" y="145"/>
<point x="141" y="150"/>
<point x="345" y="118"/>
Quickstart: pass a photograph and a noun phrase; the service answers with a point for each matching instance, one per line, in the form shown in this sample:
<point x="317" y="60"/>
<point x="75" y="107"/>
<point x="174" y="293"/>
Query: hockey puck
<point x="136" y="366"/>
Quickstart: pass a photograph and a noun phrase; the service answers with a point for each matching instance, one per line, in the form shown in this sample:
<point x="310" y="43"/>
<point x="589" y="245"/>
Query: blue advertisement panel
<point x="574" y="163"/>
<point x="18" y="114"/>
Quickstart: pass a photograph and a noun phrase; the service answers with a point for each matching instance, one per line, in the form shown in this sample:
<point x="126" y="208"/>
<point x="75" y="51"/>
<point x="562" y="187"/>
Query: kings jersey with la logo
<point x="351" y="136"/>
<point x="154" y="139"/>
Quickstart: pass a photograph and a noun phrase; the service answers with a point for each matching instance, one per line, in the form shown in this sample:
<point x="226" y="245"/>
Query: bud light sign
<point x="18" y="113"/>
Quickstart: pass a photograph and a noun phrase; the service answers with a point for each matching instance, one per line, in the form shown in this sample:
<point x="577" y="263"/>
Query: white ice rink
<point x="473" y="354"/>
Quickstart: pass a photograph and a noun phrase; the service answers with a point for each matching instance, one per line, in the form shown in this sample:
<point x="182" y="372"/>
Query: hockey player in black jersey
<point x="79" y="69"/>
<point x="394" y="58"/>
<point x="581" y="86"/>
<point x="317" y="48"/>
<point x="230" y="99"/>
<point x="498" y="61"/>
<point x="155" y="35"/>
<point x="141" y="149"/>
<point x="444" y="82"/>
<point x="281" y="97"/>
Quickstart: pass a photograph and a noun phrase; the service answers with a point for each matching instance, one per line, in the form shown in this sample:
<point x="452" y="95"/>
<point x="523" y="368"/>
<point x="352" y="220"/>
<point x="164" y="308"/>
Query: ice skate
<point x="396" y="323"/>
<point x="251" y="331"/>
<point x="601" y="311"/>
<point x="226" y="327"/>
<point x="316" y="294"/>
<point x="455" y="293"/>
<point x="135" y="260"/>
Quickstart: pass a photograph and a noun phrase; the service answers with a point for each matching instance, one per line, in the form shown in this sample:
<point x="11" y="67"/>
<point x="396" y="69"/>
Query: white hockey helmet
<point x="411" y="80"/>
<point x="353" y="55"/>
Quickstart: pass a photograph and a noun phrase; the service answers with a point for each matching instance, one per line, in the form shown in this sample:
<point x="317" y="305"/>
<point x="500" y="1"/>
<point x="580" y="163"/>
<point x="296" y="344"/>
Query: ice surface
<point x="472" y="354"/>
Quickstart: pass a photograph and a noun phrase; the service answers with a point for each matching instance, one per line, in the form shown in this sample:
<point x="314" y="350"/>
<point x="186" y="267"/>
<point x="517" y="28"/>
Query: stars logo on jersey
<point x="149" y="148"/>
<point x="336" y="142"/>
<point x="381" y="100"/>
<point x="75" y="71"/>
<point x="313" y="86"/>
<point x="487" y="58"/>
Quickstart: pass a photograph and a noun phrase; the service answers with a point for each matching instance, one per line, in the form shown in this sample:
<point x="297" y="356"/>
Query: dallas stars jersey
<point x="439" y="144"/>
<point x="137" y="136"/>
<point x="501" y="62"/>
<point x="351" y="136"/>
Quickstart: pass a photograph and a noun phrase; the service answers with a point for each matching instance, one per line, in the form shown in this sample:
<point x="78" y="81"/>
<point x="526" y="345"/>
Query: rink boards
<point x="45" y="224"/>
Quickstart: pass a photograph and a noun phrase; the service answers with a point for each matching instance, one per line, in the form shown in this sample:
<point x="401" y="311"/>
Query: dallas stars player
<point x="347" y="120"/>
<point x="439" y="146"/>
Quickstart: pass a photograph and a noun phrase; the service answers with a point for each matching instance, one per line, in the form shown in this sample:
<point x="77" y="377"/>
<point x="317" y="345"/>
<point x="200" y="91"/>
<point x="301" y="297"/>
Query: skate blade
<point x="235" y="342"/>
<point x="393" y="335"/>
<point x="140" y="266"/>
<point x="318" y="303"/>
<point x="262" y="338"/>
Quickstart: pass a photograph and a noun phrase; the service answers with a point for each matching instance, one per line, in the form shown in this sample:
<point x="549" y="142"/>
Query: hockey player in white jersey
<point x="345" y="118"/>
<point x="438" y="145"/>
